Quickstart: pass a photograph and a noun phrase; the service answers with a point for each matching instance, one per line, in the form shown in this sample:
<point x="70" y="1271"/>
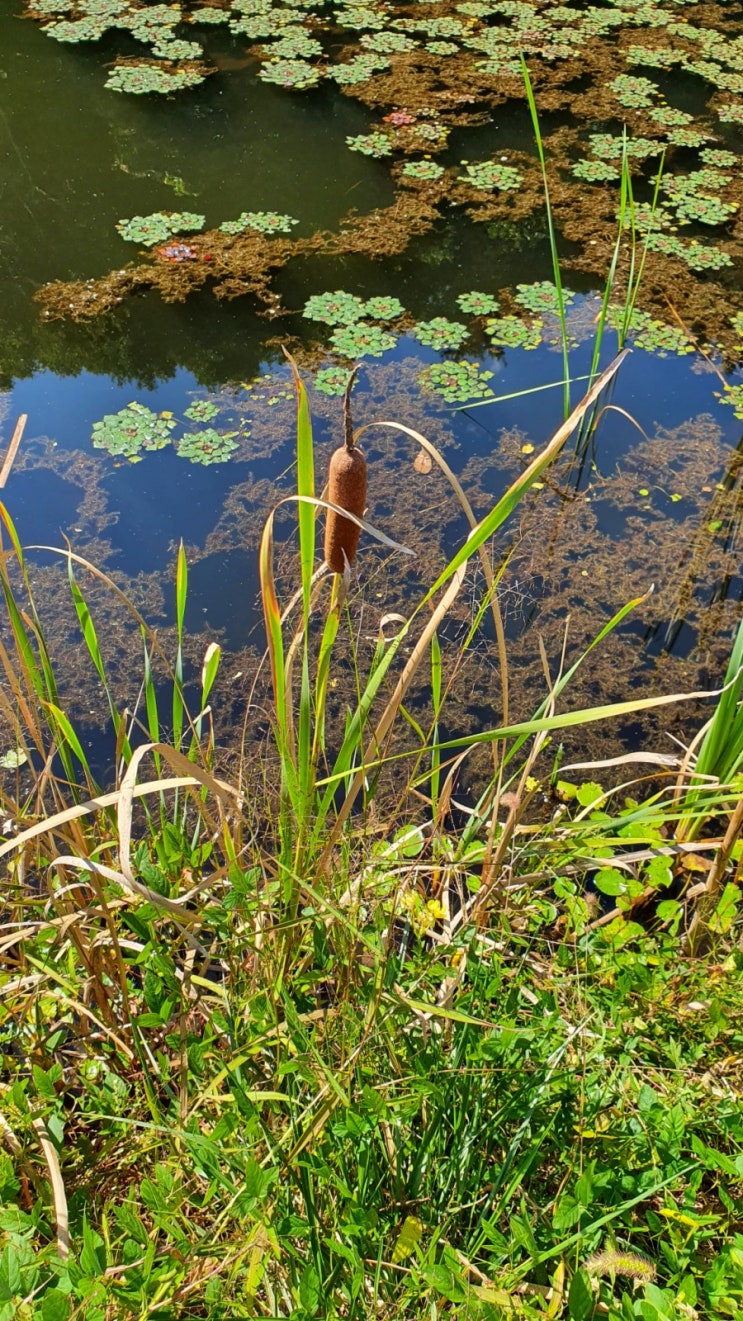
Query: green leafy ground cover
<point x="557" y="1134"/>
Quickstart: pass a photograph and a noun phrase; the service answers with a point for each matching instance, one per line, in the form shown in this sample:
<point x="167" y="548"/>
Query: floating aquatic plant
<point x="654" y="336"/>
<point x="457" y="382"/>
<point x="133" y="429"/>
<point x="201" y="410"/>
<point x="489" y="174"/>
<point x="477" y="304"/>
<point x="732" y="395"/>
<point x="82" y="29"/>
<point x="296" y="74"/>
<point x="153" y="229"/>
<point x="371" y="144"/>
<point x="208" y="14"/>
<point x="542" y="296"/>
<point x="500" y="66"/>
<point x="208" y="446"/>
<point x="383" y="308"/>
<point x="335" y="309"/>
<point x="444" y="27"/>
<point x="514" y="333"/>
<point x="434" y="134"/>
<point x="388" y="43"/>
<point x="139" y="79"/>
<point x="608" y="147"/>
<point x="670" y="117"/>
<point x="595" y="171"/>
<point x="652" y="56"/>
<point x="332" y="380"/>
<point x="427" y="171"/>
<point x="441" y="333"/>
<point x="358" y="70"/>
<point x="177" y="50"/>
<point x="362" y="341"/>
<point x="730" y="114"/>
<point x="294" y="44"/>
<point x="262" y="222"/>
<point x="718" y="159"/>
<point x="687" y="137"/>
<point x="633" y="93"/>
<point x="688" y="196"/>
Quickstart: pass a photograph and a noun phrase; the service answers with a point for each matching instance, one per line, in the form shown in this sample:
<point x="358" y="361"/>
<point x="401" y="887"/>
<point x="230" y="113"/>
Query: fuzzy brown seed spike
<point x="347" y="488"/>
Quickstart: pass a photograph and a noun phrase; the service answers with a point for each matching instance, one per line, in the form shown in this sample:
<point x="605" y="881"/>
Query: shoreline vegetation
<point x="304" y="1034"/>
<point x="305" y="1055"/>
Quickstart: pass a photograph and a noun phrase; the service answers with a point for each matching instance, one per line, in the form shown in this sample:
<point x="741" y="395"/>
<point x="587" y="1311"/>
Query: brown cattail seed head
<point x="347" y="488"/>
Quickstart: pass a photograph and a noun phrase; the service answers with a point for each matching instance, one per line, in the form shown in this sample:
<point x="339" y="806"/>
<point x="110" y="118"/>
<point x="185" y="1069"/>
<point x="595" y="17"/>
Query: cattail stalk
<point x="346" y="488"/>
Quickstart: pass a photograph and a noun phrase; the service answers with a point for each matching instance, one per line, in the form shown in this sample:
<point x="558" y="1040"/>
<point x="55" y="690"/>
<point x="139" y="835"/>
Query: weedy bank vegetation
<point x="324" y="1054"/>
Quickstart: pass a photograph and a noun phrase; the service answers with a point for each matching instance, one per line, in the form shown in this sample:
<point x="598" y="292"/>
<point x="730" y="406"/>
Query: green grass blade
<point x="516" y="492"/>
<point x="181" y="591"/>
<point x="552" y="235"/>
<point x="436" y="699"/>
<point x="65" y="734"/>
<point x="90" y="637"/>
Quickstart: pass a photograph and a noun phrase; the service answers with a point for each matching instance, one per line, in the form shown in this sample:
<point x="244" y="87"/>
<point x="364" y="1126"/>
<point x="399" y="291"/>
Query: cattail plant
<point x="346" y="488"/>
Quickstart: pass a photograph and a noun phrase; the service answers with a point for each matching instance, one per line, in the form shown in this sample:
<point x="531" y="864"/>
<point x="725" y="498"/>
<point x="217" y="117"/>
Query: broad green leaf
<point x="407" y="1240"/>
<point x="580" y="1297"/>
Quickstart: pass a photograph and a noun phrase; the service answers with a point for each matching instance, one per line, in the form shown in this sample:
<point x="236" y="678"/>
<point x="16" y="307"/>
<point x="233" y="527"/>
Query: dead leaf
<point x="422" y="462"/>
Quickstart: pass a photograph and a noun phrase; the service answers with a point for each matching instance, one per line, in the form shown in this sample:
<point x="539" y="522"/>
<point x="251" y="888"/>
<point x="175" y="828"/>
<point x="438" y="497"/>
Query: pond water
<point x="652" y="498"/>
